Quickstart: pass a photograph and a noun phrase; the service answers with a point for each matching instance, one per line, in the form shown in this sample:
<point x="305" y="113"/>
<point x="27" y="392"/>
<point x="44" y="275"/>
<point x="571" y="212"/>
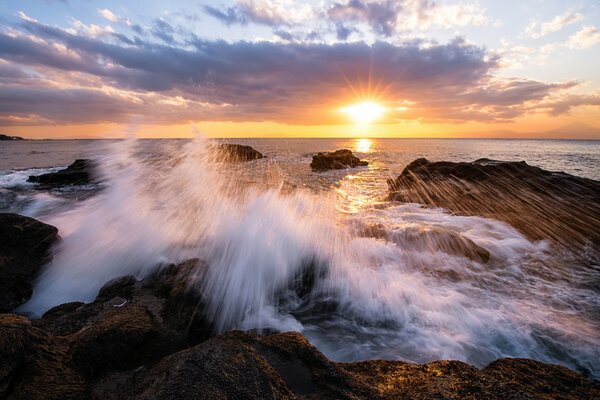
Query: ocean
<point x="259" y="224"/>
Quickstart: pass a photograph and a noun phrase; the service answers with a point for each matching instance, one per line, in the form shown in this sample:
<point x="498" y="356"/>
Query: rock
<point x="237" y="153"/>
<point x="24" y="248"/>
<point x="35" y="365"/>
<point x="6" y="137"/>
<point x="78" y="173"/>
<point x="133" y="322"/>
<point x="541" y="204"/>
<point x="338" y="159"/>
<point x="132" y="344"/>
<point x="286" y="366"/>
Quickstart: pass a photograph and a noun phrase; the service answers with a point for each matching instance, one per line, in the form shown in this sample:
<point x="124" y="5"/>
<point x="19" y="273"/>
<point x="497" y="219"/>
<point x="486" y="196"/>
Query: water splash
<point x="360" y="278"/>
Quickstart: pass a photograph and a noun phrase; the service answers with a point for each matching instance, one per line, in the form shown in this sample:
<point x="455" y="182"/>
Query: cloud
<point x="262" y="12"/>
<point x="163" y="30"/>
<point x="108" y="15"/>
<point x="84" y="78"/>
<point x="388" y="17"/>
<point x="584" y="38"/>
<point x="536" y="30"/>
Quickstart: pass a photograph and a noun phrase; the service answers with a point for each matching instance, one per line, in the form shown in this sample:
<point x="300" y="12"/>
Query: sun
<point x="365" y="112"/>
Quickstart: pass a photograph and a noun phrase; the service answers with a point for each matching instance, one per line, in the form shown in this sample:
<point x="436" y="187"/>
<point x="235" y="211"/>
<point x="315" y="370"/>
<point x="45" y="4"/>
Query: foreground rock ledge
<point x="539" y="203"/>
<point x="339" y="159"/>
<point x="120" y="359"/>
<point x="150" y="339"/>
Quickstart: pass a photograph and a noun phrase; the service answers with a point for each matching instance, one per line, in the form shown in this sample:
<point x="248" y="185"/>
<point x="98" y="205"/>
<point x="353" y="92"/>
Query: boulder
<point x="237" y="153"/>
<point x="539" y="203"/>
<point x="78" y="173"/>
<point x="339" y="159"/>
<point x="24" y="248"/>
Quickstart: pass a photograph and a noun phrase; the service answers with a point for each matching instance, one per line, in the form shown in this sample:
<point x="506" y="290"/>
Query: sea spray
<point x="372" y="289"/>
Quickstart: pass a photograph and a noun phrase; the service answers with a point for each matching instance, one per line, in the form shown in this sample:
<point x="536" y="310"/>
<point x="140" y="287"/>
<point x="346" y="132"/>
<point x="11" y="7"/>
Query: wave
<point x="360" y="278"/>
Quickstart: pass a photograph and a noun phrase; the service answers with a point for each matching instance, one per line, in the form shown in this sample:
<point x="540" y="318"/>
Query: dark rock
<point x="6" y="137"/>
<point x="24" y="248"/>
<point x="133" y="322"/>
<point x="118" y="287"/>
<point x="34" y="365"/>
<point x="541" y="204"/>
<point x="338" y="159"/>
<point x="237" y="153"/>
<point x="78" y="173"/>
<point x="120" y="339"/>
<point x="285" y="365"/>
<point x="132" y="343"/>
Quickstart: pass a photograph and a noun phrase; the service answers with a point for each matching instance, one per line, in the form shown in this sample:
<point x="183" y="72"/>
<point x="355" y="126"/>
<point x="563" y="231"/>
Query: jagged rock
<point x="541" y="204"/>
<point x="24" y="248"/>
<point x="78" y="173"/>
<point x="338" y="159"/>
<point x="237" y="153"/>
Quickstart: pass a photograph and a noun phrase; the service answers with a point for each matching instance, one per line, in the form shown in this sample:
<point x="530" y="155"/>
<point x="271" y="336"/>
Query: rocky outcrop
<point x="78" y="173"/>
<point x="339" y="159"/>
<point x="541" y="204"/>
<point x="37" y="365"/>
<point x="24" y="248"/>
<point x="237" y="153"/>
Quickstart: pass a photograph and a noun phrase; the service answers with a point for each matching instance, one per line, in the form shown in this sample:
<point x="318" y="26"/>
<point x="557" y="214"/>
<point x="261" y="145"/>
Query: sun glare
<point x="365" y="112"/>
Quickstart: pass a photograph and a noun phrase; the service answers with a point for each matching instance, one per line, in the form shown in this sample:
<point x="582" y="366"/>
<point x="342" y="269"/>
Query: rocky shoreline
<point x="151" y="338"/>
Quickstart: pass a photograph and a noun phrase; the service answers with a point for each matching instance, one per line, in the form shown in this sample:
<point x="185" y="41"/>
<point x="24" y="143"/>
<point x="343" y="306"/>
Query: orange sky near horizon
<point x="531" y="127"/>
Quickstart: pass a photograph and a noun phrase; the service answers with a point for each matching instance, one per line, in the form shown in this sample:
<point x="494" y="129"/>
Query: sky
<point x="287" y="68"/>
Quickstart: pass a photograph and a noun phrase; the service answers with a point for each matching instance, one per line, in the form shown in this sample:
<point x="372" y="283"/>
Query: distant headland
<point x="6" y="137"/>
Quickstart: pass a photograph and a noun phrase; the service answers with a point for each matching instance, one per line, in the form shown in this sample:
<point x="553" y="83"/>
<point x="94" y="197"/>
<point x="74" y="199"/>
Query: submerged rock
<point x="78" y="173"/>
<point x="24" y="248"/>
<point x="237" y="153"/>
<point x="338" y="159"/>
<point x="539" y="203"/>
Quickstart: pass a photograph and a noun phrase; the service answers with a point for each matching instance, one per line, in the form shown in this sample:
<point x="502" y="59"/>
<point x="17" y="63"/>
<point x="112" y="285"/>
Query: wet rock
<point x="35" y="365"/>
<point x="237" y="153"/>
<point x="133" y="322"/>
<point x="24" y="248"/>
<point x="539" y="203"/>
<point x="338" y="159"/>
<point x="121" y="339"/>
<point x="438" y="239"/>
<point x="78" y="173"/>
<point x="131" y="350"/>
<point x="285" y="365"/>
<point x="239" y="365"/>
